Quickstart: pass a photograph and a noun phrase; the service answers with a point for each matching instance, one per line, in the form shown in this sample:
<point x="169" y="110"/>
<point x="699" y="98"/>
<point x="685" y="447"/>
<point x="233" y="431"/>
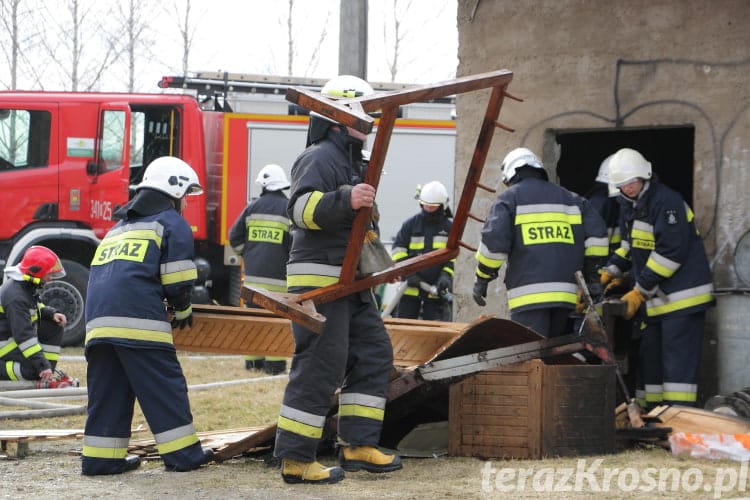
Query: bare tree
<point x="19" y="36"/>
<point x="406" y="23"/>
<point x="9" y="17"/>
<point x="134" y="16"/>
<point x="78" y="43"/>
<point x="398" y="8"/>
<point x="187" y="30"/>
<point x="289" y="38"/>
<point x="294" y="41"/>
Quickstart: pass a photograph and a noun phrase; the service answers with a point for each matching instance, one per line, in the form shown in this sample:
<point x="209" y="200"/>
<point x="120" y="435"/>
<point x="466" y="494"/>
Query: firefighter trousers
<point x="353" y="353"/>
<point x="548" y="322"/>
<point x="50" y="336"/>
<point x="427" y="309"/>
<point x="116" y="376"/>
<point x="669" y="355"/>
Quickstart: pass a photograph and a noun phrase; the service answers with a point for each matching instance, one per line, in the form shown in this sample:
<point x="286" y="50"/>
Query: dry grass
<point x="232" y="406"/>
<point x="250" y="405"/>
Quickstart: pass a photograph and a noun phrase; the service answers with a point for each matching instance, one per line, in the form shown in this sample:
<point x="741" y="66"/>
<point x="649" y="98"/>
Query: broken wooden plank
<point x="238" y="330"/>
<point x="225" y="443"/>
<point x="696" y="420"/>
<point x="40" y="434"/>
<point x="260" y="438"/>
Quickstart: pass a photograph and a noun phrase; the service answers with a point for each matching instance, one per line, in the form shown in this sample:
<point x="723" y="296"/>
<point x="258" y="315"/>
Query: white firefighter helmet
<point x="433" y="194"/>
<point x="172" y="176"/>
<point x="347" y="86"/>
<point x="603" y="176"/>
<point x="272" y="178"/>
<point x="516" y="159"/>
<point x="342" y="86"/>
<point x="626" y="165"/>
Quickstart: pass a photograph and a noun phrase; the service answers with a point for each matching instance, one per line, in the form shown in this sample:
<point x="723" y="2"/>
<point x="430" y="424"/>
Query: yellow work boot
<point x="295" y="472"/>
<point x="369" y="458"/>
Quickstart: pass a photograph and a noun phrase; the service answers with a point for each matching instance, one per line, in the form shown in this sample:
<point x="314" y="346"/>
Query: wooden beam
<point x="353" y="112"/>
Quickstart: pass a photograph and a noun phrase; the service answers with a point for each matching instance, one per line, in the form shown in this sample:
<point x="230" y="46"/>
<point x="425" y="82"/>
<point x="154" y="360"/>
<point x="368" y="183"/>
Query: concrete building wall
<point x="587" y="64"/>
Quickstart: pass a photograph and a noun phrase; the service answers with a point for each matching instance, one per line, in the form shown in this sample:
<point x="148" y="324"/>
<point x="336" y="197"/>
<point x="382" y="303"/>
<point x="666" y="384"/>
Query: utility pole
<point x="353" y="38"/>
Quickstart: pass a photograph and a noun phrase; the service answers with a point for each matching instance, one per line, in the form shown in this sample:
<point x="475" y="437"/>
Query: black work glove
<point x="444" y="283"/>
<point x="413" y="281"/>
<point x="480" y="291"/>
<point x="183" y="317"/>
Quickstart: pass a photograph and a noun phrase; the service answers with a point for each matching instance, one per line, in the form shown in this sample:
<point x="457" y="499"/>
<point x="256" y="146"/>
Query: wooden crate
<point x="534" y="410"/>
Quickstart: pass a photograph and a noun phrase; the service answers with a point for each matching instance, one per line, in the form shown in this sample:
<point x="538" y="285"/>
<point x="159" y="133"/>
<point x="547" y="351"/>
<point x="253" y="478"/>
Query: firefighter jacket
<point x="144" y="259"/>
<point x="544" y="232"/>
<point x="664" y="252"/>
<point x="609" y="209"/>
<point x="320" y="209"/>
<point x="20" y="313"/>
<point x="422" y="233"/>
<point x="261" y="235"/>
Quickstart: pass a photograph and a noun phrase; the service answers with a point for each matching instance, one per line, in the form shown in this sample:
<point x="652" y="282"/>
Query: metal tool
<point x="431" y="289"/>
<point x="592" y="322"/>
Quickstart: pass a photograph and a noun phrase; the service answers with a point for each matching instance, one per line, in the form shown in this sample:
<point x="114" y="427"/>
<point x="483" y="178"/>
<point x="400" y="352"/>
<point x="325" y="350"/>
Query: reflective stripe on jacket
<point x="543" y="232"/>
<point x="321" y="213"/>
<point x="662" y="248"/>
<point x="19" y="318"/>
<point x="423" y="233"/>
<point x="140" y="262"/>
<point x="261" y="235"/>
<point x="609" y="209"/>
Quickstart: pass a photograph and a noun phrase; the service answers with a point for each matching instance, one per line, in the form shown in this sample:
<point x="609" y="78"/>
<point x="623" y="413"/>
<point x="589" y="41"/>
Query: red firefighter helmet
<point x="41" y="263"/>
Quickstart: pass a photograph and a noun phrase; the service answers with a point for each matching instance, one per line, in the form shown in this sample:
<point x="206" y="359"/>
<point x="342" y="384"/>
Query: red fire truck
<point x="69" y="160"/>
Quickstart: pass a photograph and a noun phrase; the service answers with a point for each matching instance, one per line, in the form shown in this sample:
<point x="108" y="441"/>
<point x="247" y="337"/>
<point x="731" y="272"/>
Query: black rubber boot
<point x="254" y="364"/>
<point x="274" y="367"/>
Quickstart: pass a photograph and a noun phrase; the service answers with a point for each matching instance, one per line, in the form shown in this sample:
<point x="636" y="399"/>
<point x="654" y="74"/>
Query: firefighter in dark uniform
<point x="354" y="352"/>
<point x="30" y="332"/>
<point x="664" y="253"/>
<point x="424" y="232"/>
<point x="261" y="235"/>
<point x="603" y="198"/>
<point x="546" y="234"/>
<point x="145" y="260"/>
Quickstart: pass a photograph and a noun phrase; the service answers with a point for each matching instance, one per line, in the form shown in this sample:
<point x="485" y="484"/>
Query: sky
<point x="250" y="37"/>
<point x="238" y="36"/>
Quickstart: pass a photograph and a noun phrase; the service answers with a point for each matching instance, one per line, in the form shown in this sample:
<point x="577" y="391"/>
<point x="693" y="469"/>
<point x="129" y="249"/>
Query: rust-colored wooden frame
<point x="353" y="113"/>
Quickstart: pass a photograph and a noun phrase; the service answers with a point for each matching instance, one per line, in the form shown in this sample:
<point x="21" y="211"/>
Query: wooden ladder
<point x="353" y="112"/>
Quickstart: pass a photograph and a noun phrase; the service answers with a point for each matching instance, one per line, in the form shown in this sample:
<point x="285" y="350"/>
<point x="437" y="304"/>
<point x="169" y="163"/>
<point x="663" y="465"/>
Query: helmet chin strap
<point x="33" y="280"/>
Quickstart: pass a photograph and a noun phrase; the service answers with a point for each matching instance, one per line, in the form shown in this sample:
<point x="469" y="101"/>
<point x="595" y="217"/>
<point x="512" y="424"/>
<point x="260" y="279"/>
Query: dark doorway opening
<point x="669" y="149"/>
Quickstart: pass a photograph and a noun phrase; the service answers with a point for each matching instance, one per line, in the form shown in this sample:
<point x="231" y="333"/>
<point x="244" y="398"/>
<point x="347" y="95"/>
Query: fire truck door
<point x="109" y="172"/>
<point x="28" y="165"/>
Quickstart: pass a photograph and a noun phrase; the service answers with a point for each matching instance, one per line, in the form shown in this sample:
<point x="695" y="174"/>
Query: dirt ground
<point x="52" y="470"/>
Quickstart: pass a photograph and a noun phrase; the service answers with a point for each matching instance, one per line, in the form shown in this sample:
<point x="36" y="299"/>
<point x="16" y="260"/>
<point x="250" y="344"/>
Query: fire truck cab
<point x="68" y="161"/>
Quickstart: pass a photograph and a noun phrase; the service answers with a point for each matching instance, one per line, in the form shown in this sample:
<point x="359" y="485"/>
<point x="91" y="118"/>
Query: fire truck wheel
<point x="67" y="295"/>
